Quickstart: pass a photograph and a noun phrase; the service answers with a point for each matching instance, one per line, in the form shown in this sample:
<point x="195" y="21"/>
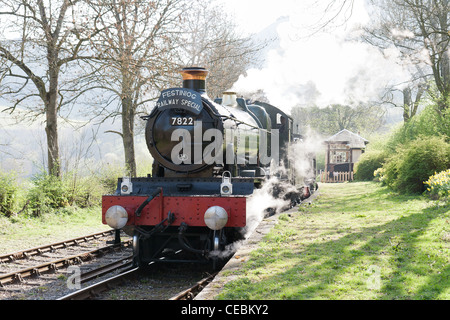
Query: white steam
<point x="323" y="69"/>
<point x="257" y="205"/>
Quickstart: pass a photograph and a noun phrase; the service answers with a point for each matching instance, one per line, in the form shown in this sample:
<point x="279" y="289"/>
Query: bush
<point x="427" y="123"/>
<point x="412" y="164"/>
<point x="8" y="194"/>
<point x="48" y="192"/>
<point x="368" y="163"/>
<point x="439" y="185"/>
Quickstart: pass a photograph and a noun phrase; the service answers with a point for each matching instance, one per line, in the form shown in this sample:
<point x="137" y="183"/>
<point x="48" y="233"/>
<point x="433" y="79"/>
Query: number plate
<point x="182" y="121"/>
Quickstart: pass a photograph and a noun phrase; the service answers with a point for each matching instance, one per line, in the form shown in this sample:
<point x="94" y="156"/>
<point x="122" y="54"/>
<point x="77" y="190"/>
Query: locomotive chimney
<point x="194" y="78"/>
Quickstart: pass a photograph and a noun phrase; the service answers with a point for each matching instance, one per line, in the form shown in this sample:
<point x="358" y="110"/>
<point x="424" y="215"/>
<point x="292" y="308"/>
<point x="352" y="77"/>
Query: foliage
<point x="47" y="192"/>
<point x="8" y="193"/>
<point x="428" y="123"/>
<point x="85" y="191"/>
<point x="439" y="185"/>
<point x="413" y="163"/>
<point x="368" y="163"/>
<point x="334" y="118"/>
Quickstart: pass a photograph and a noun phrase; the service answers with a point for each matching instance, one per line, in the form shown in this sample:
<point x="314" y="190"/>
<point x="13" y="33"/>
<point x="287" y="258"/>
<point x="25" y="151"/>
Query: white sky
<point x="341" y="70"/>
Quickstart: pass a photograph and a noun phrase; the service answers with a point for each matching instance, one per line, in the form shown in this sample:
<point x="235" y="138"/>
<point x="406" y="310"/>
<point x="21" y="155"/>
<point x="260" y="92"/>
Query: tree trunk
<point x="406" y="104"/>
<point x="51" y="105"/>
<point x="128" y="135"/>
<point x="51" y="130"/>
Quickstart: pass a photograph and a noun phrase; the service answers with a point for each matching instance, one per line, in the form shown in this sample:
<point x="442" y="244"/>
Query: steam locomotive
<point x="209" y="157"/>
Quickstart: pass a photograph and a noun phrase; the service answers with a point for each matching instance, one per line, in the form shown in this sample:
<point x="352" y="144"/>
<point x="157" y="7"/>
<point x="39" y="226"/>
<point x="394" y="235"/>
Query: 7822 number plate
<point x="182" y="121"/>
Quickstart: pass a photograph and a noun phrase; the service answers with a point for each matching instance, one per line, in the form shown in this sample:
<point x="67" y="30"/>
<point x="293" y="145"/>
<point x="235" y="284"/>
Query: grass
<point x="23" y="232"/>
<point x="357" y="241"/>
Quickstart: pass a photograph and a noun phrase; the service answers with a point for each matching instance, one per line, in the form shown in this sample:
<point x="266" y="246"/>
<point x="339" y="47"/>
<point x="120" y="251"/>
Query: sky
<point x="312" y="66"/>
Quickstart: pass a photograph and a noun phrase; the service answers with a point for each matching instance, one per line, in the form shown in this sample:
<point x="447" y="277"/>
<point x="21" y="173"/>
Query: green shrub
<point x="428" y="123"/>
<point x="48" y="192"/>
<point x="84" y="191"/>
<point x="8" y="193"/>
<point x="412" y="164"/>
<point x="108" y="176"/>
<point x="368" y="163"/>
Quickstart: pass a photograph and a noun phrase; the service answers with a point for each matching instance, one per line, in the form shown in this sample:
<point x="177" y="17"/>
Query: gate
<point x="331" y="177"/>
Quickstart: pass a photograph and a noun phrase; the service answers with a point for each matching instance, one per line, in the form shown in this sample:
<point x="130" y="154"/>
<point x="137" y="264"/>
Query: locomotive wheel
<point x="216" y="246"/>
<point x="136" y="257"/>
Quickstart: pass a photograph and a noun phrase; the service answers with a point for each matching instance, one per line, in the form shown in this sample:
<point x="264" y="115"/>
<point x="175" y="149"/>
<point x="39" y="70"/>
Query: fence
<point x="330" y="177"/>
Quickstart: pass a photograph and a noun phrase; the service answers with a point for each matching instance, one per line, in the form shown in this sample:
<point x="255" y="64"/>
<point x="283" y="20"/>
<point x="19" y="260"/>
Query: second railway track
<point x="43" y="273"/>
<point x="36" y="272"/>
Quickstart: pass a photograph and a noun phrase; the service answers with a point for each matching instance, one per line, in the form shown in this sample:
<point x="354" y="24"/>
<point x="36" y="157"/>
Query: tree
<point x="334" y="118"/>
<point x="137" y="57"/>
<point x="145" y="44"/>
<point x="39" y="41"/>
<point x="210" y="40"/>
<point x="418" y="29"/>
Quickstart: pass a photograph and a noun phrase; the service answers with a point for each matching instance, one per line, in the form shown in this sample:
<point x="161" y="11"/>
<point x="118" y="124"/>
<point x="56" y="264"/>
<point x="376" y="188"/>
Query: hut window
<point x="338" y="157"/>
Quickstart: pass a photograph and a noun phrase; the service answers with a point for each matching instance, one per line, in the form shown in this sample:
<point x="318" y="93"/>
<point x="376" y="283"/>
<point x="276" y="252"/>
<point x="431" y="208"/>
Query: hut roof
<point x="352" y="139"/>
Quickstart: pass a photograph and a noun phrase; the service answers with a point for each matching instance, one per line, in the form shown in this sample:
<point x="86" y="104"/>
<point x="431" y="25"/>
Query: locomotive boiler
<point x="209" y="156"/>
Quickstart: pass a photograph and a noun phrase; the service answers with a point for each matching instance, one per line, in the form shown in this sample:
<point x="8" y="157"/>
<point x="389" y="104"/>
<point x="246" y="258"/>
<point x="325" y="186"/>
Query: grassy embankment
<point x="357" y="241"/>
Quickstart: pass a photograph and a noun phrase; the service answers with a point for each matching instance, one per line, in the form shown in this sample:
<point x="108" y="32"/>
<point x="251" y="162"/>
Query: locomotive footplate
<point x="187" y="186"/>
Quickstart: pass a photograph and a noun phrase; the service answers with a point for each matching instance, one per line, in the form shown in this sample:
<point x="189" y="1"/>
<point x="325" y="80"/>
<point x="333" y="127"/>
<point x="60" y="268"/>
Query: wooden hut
<point x="343" y="151"/>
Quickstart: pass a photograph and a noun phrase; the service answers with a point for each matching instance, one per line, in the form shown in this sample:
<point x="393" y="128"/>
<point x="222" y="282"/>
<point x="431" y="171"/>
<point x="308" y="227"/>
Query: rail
<point x="97" y="288"/>
<point x="19" y="275"/>
<point x="53" y="246"/>
<point x="190" y="293"/>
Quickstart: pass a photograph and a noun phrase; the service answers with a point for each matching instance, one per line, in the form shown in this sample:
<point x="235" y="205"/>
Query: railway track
<point x="54" y="265"/>
<point x="36" y="268"/>
<point x="190" y="293"/>
<point x="24" y="254"/>
<point x="94" y="290"/>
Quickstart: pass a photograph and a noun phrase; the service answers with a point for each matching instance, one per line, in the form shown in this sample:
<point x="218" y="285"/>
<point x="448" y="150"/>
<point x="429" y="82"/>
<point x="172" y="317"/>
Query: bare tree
<point x="210" y="40"/>
<point x="39" y="41"/>
<point x="418" y="29"/>
<point x="136" y="51"/>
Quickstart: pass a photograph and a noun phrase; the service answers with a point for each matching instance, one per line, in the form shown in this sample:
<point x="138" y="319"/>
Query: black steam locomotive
<point x="209" y="156"/>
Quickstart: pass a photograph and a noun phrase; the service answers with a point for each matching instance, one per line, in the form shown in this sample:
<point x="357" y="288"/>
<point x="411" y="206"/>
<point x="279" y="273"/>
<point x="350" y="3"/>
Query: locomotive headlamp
<point x="216" y="217"/>
<point x="116" y="217"/>
<point x="226" y="188"/>
<point x="126" y="187"/>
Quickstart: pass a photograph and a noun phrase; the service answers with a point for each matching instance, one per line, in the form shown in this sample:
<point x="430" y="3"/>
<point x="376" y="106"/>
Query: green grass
<point x="23" y="232"/>
<point x="357" y="241"/>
